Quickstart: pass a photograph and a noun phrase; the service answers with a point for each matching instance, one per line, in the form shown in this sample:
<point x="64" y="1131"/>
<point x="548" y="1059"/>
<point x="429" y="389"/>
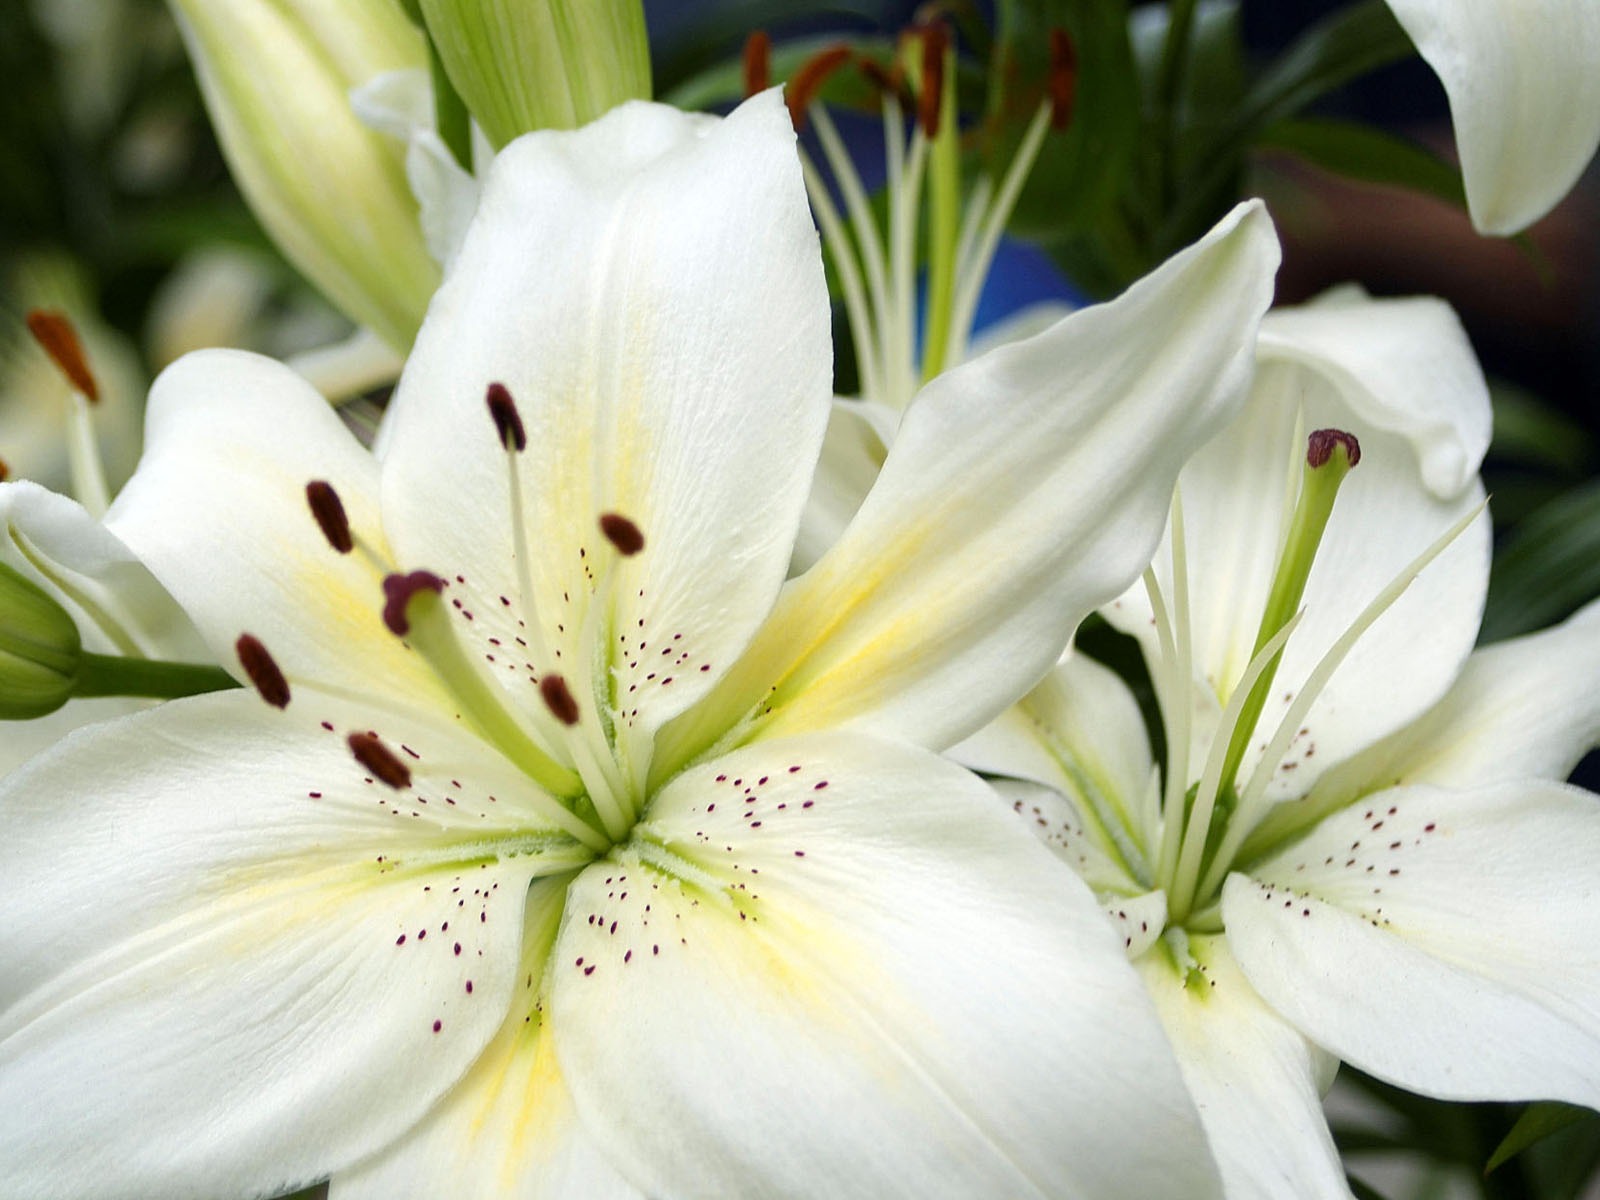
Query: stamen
<point x="59" y="340"/>
<point x="1324" y="471"/>
<point x="757" y="63"/>
<point x="262" y="670"/>
<point x="559" y="699"/>
<point x="5" y="470"/>
<point x="886" y="81"/>
<point x="808" y="80"/>
<point x="398" y="592"/>
<point x="930" y="97"/>
<point x="372" y="754"/>
<point x="1322" y="443"/>
<point x="622" y="533"/>
<point x="1062" y="85"/>
<point x="507" y="420"/>
<point x="56" y="337"/>
<point x="328" y="510"/>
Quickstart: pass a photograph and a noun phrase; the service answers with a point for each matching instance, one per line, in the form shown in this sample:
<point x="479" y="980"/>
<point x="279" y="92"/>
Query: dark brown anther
<point x="930" y="100"/>
<point x="1063" y="81"/>
<point x="757" y="63"/>
<point x="56" y="337"/>
<point x="808" y="81"/>
<point x="262" y="670"/>
<point x="398" y="592"/>
<point x="558" y="699"/>
<point x="622" y="533"/>
<point x="507" y="420"/>
<point x="1319" y="447"/>
<point x="372" y="754"/>
<point x="5" y="470"/>
<point x="879" y="76"/>
<point x="328" y="509"/>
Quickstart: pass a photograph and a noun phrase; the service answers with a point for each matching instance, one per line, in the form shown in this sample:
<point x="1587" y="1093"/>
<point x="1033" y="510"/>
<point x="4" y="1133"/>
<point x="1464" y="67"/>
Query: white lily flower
<point x="1524" y="97"/>
<point x="644" y="878"/>
<point x="1386" y="869"/>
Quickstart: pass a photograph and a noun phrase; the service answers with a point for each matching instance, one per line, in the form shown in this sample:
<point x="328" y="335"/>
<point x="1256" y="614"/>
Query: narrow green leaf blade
<point x="1537" y="1122"/>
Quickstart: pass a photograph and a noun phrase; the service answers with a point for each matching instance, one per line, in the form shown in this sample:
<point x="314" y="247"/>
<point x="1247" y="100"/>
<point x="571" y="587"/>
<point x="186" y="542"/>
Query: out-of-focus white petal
<point x="1442" y="940"/>
<point x="831" y="1000"/>
<point x="1524" y="97"/>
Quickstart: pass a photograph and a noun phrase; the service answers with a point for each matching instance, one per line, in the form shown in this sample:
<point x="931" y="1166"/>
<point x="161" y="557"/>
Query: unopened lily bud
<point x="276" y="77"/>
<point x="40" y="650"/>
<point x="522" y="65"/>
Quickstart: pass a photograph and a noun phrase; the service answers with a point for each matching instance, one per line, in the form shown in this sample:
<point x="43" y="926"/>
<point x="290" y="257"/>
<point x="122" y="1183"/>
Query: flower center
<point x="1204" y="822"/>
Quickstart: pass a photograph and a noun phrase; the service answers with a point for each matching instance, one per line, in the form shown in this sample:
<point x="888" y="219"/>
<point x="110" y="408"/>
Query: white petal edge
<point x="1524" y="97"/>
<point x="1442" y="940"/>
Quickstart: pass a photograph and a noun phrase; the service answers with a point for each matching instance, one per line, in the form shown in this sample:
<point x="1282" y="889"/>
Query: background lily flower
<point x="1524" y="97"/>
<point x="331" y="192"/>
<point x="1392" y="873"/>
<point x="566" y="848"/>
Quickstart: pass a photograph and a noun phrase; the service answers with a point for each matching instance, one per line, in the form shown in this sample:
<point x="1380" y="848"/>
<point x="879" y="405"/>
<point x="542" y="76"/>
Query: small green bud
<point x="522" y="65"/>
<point x="40" y="650"/>
<point x="276" y="77"/>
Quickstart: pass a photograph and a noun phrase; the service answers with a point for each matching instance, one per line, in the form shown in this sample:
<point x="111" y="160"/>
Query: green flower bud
<point x="522" y="65"/>
<point x="40" y="650"/>
<point x="276" y="76"/>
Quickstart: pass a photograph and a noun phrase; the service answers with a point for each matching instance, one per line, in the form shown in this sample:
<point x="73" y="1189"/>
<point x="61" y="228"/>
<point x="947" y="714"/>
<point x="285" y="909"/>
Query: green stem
<point x="110" y="675"/>
<point x="944" y="226"/>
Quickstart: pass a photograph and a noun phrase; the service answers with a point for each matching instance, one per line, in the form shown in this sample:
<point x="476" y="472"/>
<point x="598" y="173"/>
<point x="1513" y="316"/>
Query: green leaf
<point x="1528" y="430"/>
<point x="1548" y="566"/>
<point x="1081" y="170"/>
<point x="1363" y="1191"/>
<point x="1537" y="1122"/>
<point x="1337" y="49"/>
<point x="1366" y="154"/>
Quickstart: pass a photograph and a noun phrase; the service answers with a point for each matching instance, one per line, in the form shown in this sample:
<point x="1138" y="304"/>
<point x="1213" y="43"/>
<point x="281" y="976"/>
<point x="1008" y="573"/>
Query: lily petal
<point x="1023" y="488"/>
<point x="1524" y="97"/>
<point x="507" y="1129"/>
<point x="1441" y="940"/>
<point x="304" y="923"/>
<point x="822" y="998"/>
<point x="1248" y="1072"/>
<point x="1521" y="709"/>
<point x="218" y="512"/>
<point x="650" y="291"/>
